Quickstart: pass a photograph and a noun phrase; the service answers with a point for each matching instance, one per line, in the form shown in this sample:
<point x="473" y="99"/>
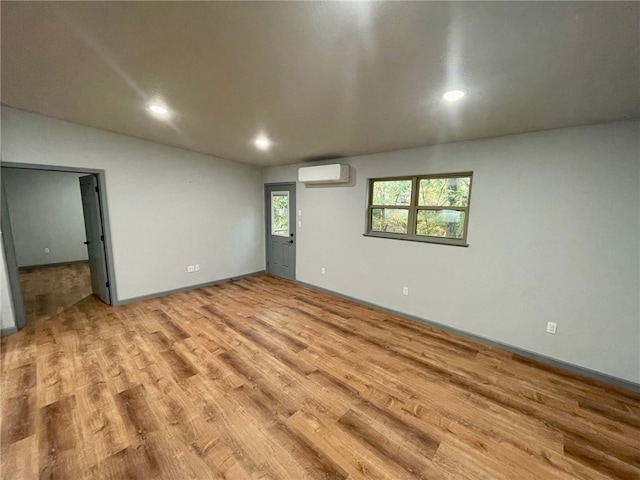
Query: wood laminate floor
<point x="265" y="379"/>
<point x="49" y="290"/>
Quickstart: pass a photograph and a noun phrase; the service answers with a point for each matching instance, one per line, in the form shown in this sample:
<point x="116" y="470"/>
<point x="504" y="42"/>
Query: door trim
<point x="104" y="211"/>
<point x="11" y="262"/>
<point x="267" y="224"/>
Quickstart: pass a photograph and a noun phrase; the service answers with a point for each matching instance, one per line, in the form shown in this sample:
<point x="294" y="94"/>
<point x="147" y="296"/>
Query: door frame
<point x="11" y="263"/>
<point x="267" y="223"/>
<point x="106" y="226"/>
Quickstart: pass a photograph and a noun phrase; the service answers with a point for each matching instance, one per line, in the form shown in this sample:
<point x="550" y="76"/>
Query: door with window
<point x="280" y="203"/>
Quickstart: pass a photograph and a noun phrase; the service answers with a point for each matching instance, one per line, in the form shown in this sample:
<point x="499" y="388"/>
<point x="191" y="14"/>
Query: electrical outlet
<point x="197" y="267"/>
<point x="551" y="327"/>
<point x="190" y="269"/>
<point x="405" y="290"/>
<point x="46" y="250"/>
<point x="323" y="271"/>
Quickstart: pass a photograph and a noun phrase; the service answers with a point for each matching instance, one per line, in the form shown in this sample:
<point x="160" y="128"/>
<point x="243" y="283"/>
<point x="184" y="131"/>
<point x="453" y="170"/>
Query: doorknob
<point x="290" y="242"/>
<point x="86" y="243"/>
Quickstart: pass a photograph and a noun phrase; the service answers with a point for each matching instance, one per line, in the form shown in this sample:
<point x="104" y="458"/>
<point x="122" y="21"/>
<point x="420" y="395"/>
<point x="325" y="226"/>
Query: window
<point x="426" y="208"/>
<point x="280" y="214"/>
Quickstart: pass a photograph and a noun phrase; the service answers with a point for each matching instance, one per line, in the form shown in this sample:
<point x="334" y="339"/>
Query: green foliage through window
<point x="440" y="223"/>
<point x="280" y="214"/>
<point x="394" y="192"/>
<point x="449" y="192"/>
<point x="426" y="208"/>
<point x="390" y="220"/>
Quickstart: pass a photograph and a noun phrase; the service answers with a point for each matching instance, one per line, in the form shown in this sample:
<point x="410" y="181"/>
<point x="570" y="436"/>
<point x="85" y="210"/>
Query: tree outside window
<point x="428" y="208"/>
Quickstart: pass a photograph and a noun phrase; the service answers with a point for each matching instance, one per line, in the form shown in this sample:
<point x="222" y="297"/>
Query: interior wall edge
<point x="46" y="265"/>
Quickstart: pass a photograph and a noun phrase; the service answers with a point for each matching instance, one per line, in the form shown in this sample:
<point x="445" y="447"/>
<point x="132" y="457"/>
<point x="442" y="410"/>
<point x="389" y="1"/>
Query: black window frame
<point x="413" y="209"/>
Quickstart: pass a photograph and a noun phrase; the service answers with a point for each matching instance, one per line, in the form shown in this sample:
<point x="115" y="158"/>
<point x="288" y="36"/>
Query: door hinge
<point x="107" y="284"/>
<point x="96" y="189"/>
<point x="102" y="237"/>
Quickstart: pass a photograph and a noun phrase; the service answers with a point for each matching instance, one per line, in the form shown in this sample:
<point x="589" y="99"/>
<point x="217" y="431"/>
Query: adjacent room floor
<point x="50" y="290"/>
<point x="263" y="378"/>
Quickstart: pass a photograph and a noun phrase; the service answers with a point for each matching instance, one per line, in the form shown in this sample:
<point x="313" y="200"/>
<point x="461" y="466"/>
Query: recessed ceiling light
<point x="262" y="142"/>
<point x="454" y="95"/>
<point x="158" y="110"/>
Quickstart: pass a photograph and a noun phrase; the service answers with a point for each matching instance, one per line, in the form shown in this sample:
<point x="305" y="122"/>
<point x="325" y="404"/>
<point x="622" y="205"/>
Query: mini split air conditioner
<point x="335" y="173"/>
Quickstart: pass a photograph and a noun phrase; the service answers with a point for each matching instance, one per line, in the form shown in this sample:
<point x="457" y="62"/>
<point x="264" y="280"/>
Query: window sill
<point x="439" y="241"/>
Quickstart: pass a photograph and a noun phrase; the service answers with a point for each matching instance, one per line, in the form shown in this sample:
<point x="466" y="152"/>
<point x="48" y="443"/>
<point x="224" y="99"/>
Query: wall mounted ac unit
<point x="335" y="173"/>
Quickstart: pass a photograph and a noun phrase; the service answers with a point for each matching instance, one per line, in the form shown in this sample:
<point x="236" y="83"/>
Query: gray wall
<point x="554" y="236"/>
<point x="168" y="207"/>
<point x="46" y="212"/>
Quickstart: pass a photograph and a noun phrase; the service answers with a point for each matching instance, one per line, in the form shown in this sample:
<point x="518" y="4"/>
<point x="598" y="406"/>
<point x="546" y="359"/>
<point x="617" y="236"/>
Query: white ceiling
<point x="322" y="80"/>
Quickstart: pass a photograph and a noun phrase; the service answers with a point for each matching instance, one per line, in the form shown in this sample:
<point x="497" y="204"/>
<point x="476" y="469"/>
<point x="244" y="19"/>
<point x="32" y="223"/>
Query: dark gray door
<point x="95" y="237"/>
<point x="280" y="203"/>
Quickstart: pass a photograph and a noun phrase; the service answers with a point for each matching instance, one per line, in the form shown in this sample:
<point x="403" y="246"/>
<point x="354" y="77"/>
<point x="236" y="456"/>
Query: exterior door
<point x="95" y="237"/>
<point x="280" y="202"/>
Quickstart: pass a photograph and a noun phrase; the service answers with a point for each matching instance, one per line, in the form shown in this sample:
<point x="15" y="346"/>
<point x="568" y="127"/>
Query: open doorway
<point x="60" y="238"/>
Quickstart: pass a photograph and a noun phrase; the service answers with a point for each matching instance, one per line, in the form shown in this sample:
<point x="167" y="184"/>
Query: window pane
<point x="280" y="214"/>
<point x="392" y="192"/>
<point x="444" y="192"/>
<point x="440" y="223"/>
<point x="390" y="220"/>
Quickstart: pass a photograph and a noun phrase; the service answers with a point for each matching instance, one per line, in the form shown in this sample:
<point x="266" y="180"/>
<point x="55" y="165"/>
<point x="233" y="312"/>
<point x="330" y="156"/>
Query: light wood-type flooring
<point x="265" y="379"/>
<point x="49" y="290"/>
